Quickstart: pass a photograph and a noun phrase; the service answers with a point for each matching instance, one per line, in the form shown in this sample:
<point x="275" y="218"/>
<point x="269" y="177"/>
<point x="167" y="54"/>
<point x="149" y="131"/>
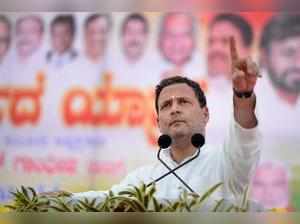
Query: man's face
<point x="179" y="112"/>
<point x="270" y="187"/>
<point x="134" y="39"/>
<point x="29" y="37"/>
<point x="176" y="39"/>
<point x="61" y="37"/>
<point x="96" y="37"/>
<point x="218" y="51"/>
<point x="283" y="63"/>
<point x="4" y="39"/>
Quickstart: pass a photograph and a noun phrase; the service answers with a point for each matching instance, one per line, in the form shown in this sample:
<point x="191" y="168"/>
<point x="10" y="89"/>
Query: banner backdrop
<point x="77" y="94"/>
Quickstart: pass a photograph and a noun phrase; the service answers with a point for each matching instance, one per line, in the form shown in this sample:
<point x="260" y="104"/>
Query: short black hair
<point x="6" y="21"/>
<point x="138" y="17"/>
<point x="95" y="16"/>
<point x="178" y="80"/>
<point x="240" y="23"/>
<point x="64" y="19"/>
<point x="280" y="27"/>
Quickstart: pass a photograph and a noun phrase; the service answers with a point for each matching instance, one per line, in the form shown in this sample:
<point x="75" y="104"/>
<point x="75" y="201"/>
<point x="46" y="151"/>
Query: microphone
<point x="164" y="141"/>
<point x="197" y="140"/>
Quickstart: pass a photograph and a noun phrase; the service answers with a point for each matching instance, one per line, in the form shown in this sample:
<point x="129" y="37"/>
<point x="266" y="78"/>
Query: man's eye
<point x="164" y="106"/>
<point x="183" y="101"/>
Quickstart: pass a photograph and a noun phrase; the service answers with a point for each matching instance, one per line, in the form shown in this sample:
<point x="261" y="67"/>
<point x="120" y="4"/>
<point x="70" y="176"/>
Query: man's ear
<point x="157" y="121"/>
<point x="206" y="114"/>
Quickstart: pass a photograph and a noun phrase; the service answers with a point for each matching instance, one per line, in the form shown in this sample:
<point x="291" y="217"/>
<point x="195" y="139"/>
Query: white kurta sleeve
<point x="239" y="157"/>
<point x="135" y="178"/>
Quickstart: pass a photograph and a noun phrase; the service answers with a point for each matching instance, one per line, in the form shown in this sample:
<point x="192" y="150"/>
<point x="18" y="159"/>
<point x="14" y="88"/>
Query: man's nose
<point x="175" y="109"/>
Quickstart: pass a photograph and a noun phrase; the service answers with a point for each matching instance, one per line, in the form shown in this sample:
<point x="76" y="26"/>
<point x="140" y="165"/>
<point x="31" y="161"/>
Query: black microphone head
<point x="198" y="140"/>
<point x="164" y="141"/>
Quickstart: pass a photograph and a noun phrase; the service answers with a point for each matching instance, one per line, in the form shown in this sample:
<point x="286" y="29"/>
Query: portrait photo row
<point x="77" y="94"/>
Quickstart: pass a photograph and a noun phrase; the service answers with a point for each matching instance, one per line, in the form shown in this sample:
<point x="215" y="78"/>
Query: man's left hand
<point x="244" y="71"/>
<point x="244" y="76"/>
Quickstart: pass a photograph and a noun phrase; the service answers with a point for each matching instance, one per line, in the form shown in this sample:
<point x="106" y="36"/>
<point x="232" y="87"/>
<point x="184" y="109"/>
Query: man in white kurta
<point x="234" y="161"/>
<point x="181" y="108"/>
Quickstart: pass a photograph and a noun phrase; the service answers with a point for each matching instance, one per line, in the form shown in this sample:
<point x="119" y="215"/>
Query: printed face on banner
<point x="134" y="38"/>
<point x="283" y="64"/>
<point x="29" y="33"/>
<point x="177" y="38"/>
<point x="96" y="33"/>
<point x="61" y="37"/>
<point x="218" y="54"/>
<point x="4" y="39"/>
<point x="270" y="186"/>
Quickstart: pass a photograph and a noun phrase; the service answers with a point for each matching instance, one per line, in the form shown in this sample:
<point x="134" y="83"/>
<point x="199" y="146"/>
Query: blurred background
<point x="77" y="93"/>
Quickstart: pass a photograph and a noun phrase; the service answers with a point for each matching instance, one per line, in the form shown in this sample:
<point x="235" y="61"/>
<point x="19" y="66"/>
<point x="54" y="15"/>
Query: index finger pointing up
<point x="233" y="51"/>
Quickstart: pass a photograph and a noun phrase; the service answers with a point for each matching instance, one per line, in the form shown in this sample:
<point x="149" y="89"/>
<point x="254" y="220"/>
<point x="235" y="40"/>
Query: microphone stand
<point x="173" y="170"/>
